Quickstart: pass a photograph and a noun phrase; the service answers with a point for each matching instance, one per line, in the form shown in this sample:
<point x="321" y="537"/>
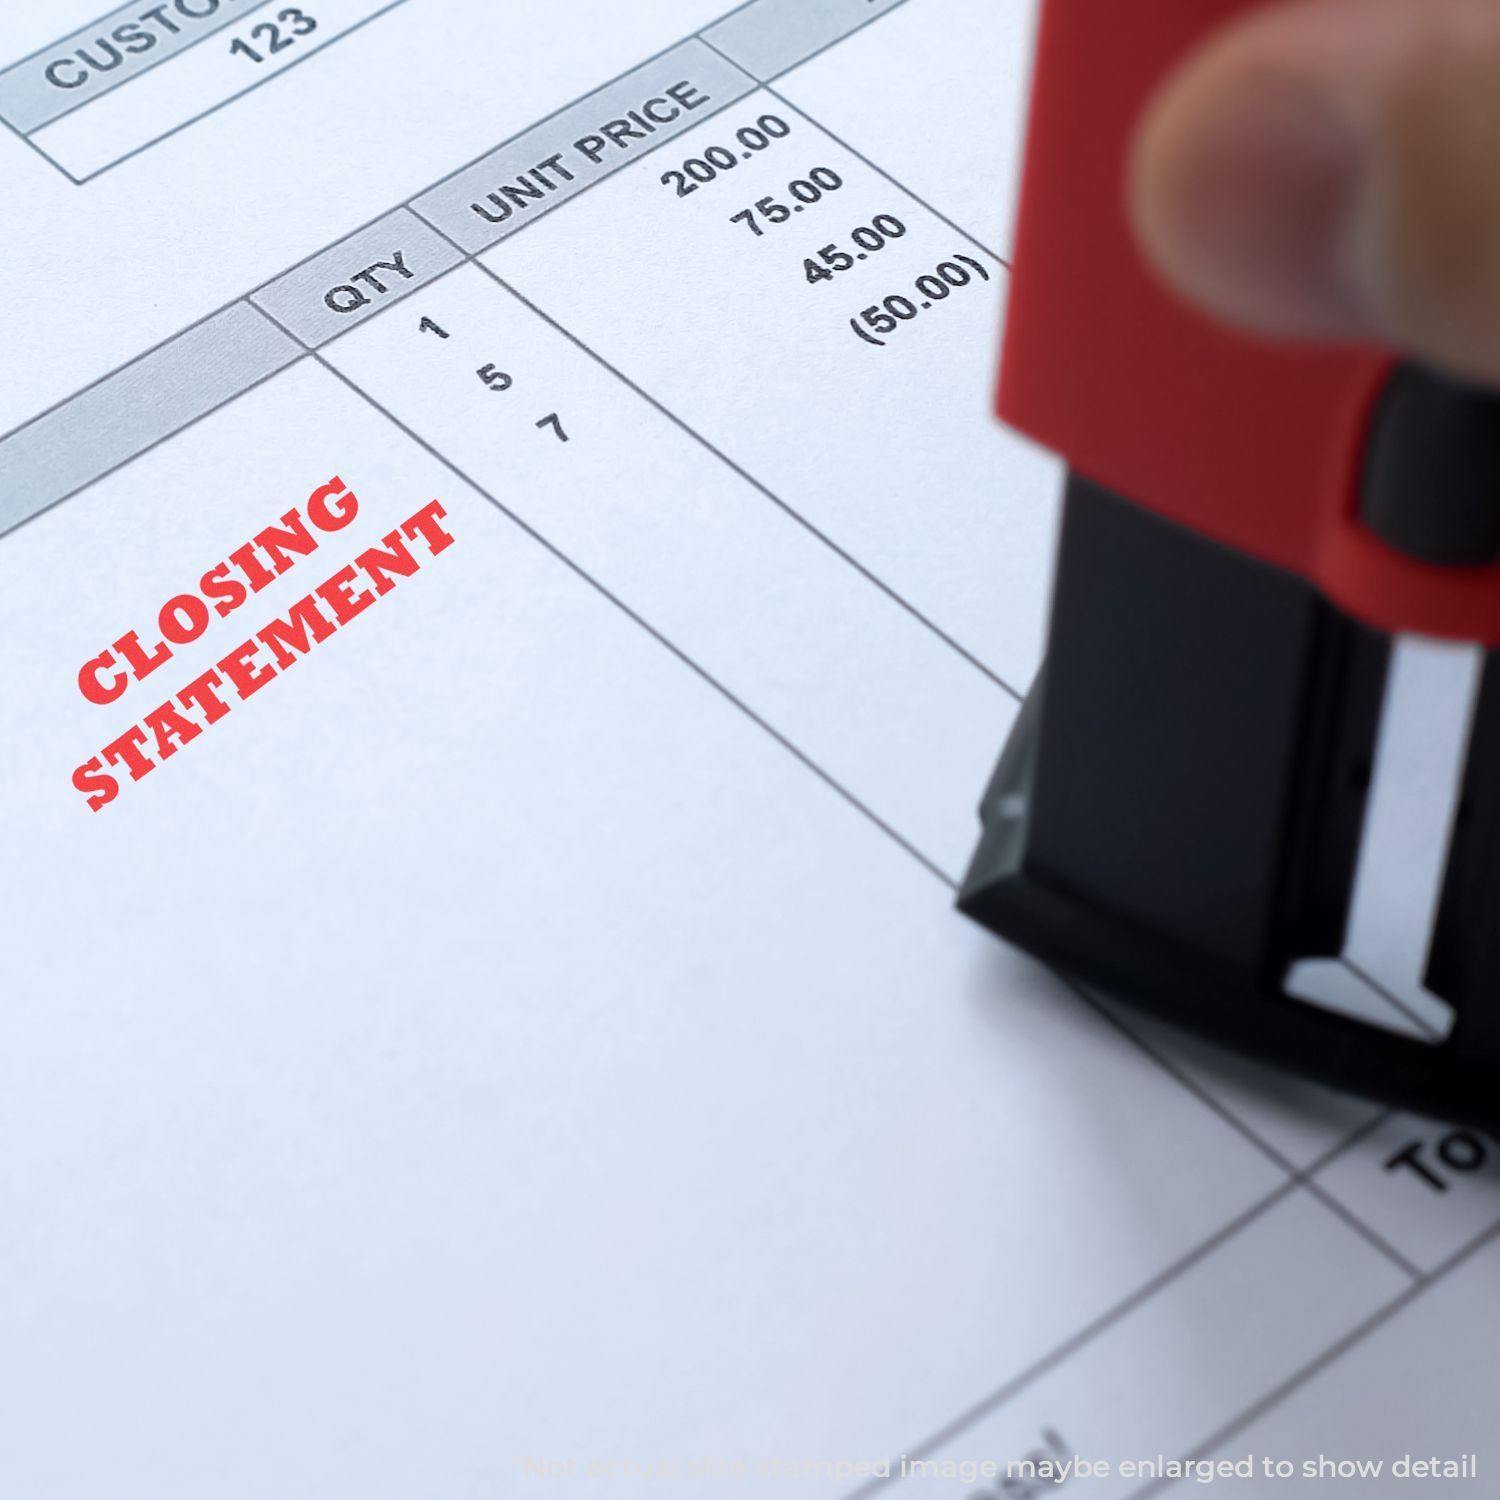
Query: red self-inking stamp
<point x="1179" y="811"/>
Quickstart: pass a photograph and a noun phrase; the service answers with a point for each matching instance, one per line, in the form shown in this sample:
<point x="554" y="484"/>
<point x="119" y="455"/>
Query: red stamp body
<point x="1258" y="445"/>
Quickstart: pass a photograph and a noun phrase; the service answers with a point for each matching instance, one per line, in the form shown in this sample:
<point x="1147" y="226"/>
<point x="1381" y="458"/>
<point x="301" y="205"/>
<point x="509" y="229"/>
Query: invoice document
<point x="510" y="592"/>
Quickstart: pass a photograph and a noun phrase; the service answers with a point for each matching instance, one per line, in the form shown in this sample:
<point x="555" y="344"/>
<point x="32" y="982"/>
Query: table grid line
<point x="1303" y="1180"/>
<point x="1055" y="1357"/>
<point x="1335" y="1205"/>
<point x="1329" y="1357"/>
<point x="21" y="135"/>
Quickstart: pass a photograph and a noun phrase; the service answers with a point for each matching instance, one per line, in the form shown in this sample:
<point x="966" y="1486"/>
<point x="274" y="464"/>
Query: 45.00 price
<point x="869" y="237"/>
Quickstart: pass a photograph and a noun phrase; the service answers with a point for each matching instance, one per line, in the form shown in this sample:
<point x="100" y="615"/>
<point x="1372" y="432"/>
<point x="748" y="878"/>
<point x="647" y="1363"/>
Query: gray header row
<point x="770" y="36"/>
<point x="79" y="68"/>
<point x="136" y="407"/>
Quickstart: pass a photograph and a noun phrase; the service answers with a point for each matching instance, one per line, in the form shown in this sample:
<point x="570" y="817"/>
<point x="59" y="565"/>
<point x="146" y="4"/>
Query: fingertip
<point x="1244" y="191"/>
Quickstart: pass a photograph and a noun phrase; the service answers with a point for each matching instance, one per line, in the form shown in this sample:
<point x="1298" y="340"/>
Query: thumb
<point x="1330" y="169"/>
